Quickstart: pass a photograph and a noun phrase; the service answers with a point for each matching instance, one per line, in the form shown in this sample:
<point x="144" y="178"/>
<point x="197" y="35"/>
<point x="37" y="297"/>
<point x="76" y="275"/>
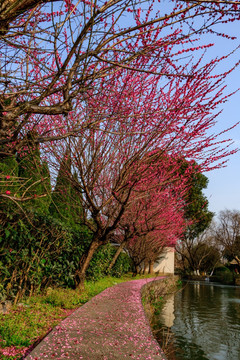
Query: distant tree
<point x="197" y="216"/>
<point x="232" y="253"/>
<point x="202" y="254"/>
<point x="196" y="210"/>
<point x="209" y="256"/>
<point x="227" y="234"/>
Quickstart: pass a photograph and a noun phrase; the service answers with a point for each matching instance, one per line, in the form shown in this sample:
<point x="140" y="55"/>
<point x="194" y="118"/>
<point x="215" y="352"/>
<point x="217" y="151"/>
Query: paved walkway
<point x="112" y="325"/>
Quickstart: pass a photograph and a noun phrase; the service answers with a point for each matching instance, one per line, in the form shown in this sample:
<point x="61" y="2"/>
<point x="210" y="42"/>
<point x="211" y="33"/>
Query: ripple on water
<point x="206" y="322"/>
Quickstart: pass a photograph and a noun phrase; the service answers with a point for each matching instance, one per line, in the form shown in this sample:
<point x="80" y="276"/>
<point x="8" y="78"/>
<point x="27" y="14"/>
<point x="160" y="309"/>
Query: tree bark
<point x="138" y="269"/>
<point x="11" y="9"/>
<point x="84" y="263"/>
<point x="146" y="267"/>
<point x="151" y="271"/>
<point x="117" y="253"/>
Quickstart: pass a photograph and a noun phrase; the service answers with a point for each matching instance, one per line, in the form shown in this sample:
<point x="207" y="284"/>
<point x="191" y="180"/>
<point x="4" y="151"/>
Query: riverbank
<point x="25" y="325"/>
<point x="155" y="294"/>
<point x="224" y="278"/>
<point x="154" y="300"/>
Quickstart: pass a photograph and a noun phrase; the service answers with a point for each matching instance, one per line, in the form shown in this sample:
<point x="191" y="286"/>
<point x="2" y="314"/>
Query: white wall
<point x="165" y="264"/>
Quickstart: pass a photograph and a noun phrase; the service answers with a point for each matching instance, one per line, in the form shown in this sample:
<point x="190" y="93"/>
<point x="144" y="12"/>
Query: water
<point x="201" y="322"/>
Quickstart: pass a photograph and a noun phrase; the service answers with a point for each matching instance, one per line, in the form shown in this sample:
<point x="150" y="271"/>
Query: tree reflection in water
<point x="201" y="322"/>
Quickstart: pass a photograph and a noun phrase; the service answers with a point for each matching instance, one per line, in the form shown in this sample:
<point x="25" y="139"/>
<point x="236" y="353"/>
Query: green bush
<point x="122" y="266"/>
<point x="101" y="260"/>
<point x="221" y="269"/>
<point x="227" y="278"/>
<point x="224" y="275"/>
<point x="39" y="254"/>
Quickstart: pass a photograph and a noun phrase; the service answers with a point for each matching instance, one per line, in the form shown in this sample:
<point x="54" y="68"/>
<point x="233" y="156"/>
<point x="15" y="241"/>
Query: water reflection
<point x="203" y="322"/>
<point x="167" y="313"/>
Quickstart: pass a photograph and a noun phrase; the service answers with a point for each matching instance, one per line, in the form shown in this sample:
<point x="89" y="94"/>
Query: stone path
<point x="112" y="325"/>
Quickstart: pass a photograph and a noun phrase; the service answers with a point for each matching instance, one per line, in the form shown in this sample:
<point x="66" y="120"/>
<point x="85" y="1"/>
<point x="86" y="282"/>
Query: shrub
<point x="101" y="260"/>
<point x="221" y="269"/>
<point x="39" y="254"/>
<point x="122" y="266"/>
<point x="224" y="275"/>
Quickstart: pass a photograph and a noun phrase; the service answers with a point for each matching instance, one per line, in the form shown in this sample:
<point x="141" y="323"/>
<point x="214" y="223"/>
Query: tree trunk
<point x="151" y="263"/>
<point x="146" y="267"/>
<point x="117" y="253"/>
<point x="196" y="272"/>
<point x="84" y="263"/>
<point x="138" y="269"/>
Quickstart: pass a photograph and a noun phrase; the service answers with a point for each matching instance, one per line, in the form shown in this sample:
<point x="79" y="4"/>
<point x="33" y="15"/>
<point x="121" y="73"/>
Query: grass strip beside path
<point x="26" y="324"/>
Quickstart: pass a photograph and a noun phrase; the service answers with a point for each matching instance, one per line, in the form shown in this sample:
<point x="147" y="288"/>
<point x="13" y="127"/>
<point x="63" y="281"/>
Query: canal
<point x="200" y="322"/>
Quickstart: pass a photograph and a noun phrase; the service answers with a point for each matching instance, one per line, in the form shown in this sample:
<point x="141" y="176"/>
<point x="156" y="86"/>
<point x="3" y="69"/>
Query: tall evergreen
<point x="66" y="200"/>
<point x="35" y="177"/>
<point x="196" y="203"/>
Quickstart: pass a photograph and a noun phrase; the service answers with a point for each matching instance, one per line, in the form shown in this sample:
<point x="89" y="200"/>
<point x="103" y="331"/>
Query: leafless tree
<point x="227" y="233"/>
<point x="199" y="253"/>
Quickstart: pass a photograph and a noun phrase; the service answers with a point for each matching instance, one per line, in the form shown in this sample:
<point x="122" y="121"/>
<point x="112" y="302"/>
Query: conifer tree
<point x="196" y="209"/>
<point x="66" y="202"/>
<point x="35" y="176"/>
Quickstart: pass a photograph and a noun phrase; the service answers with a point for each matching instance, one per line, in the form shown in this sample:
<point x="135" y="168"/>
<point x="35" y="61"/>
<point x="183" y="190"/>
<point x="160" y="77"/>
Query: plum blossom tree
<point x="132" y="121"/>
<point x="155" y="230"/>
<point x="53" y="52"/>
<point x="153" y="218"/>
<point x="115" y="81"/>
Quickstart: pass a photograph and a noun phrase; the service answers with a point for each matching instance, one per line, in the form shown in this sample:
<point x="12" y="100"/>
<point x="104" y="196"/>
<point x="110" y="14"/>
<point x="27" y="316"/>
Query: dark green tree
<point x="66" y="203"/>
<point x="34" y="175"/>
<point x="197" y="215"/>
<point x="8" y="175"/>
<point x="196" y="204"/>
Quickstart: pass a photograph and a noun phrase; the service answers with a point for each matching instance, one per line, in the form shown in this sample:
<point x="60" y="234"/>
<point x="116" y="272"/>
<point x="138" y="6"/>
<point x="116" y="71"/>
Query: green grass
<point x="27" y="324"/>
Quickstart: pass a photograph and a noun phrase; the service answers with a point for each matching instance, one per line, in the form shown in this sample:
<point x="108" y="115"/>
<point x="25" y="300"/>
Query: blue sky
<point x="223" y="190"/>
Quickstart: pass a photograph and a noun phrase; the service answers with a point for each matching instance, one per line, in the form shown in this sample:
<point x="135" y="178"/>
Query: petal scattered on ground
<point x="110" y="326"/>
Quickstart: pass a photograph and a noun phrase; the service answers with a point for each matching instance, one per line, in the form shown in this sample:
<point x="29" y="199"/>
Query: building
<point x="165" y="262"/>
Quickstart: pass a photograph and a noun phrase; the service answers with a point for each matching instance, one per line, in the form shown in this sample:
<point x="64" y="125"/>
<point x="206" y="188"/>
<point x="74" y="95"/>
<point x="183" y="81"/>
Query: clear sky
<point x="224" y="184"/>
